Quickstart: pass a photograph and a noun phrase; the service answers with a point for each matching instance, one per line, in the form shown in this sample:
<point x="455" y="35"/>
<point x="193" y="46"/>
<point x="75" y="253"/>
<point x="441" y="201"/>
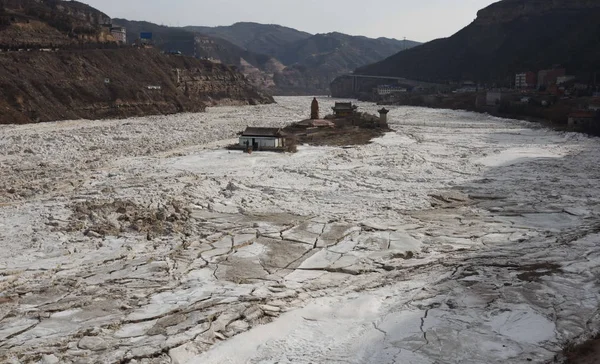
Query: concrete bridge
<point x="402" y="80"/>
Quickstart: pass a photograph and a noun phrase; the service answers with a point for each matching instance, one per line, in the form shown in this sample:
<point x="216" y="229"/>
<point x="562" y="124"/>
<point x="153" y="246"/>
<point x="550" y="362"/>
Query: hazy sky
<point x="420" y="20"/>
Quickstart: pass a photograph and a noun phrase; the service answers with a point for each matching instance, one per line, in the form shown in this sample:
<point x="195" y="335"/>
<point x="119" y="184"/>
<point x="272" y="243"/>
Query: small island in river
<point x="346" y="126"/>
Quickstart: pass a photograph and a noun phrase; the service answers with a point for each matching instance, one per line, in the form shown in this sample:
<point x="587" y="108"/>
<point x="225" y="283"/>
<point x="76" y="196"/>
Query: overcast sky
<point x="420" y="20"/>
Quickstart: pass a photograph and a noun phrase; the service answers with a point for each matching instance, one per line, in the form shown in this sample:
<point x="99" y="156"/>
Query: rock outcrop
<point x="51" y="23"/>
<point x="47" y="86"/>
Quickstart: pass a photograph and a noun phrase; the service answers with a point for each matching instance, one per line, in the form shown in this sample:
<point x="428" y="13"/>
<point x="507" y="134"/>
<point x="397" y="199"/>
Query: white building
<point x="258" y="138"/>
<point x="564" y="79"/>
<point x="119" y="33"/>
<point x="389" y="89"/>
<point x="525" y="80"/>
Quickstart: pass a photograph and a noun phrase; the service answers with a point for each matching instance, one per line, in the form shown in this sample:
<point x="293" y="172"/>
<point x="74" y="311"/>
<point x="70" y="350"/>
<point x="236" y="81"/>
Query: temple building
<point x="259" y="138"/>
<point x="344" y="109"/>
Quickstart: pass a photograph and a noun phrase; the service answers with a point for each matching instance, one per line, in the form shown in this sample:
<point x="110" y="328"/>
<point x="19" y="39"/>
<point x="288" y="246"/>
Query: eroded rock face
<point x="48" y="24"/>
<point x="94" y="84"/>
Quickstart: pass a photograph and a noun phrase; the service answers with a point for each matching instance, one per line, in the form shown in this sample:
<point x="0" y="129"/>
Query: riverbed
<point x="456" y="238"/>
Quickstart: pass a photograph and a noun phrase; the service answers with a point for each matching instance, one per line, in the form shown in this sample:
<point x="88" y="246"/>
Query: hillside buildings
<point x="525" y="80"/>
<point x="565" y="79"/>
<point x="119" y="33"/>
<point x="549" y="77"/>
<point x="543" y="79"/>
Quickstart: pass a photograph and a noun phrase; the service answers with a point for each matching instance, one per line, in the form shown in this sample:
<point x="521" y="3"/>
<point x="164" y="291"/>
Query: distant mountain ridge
<point x="283" y="60"/>
<point x="507" y="37"/>
<point x="316" y="61"/>
<point x="306" y="50"/>
<point x="260" y="38"/>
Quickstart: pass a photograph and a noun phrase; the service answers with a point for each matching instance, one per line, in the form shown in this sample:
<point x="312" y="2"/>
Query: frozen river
<point x="457" y="238"/>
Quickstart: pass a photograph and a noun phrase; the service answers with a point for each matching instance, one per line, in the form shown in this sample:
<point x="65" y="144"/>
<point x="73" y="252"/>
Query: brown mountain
<point x="51" y="23"/>
<point x="311" y="61"/>
<point x="314" y="62"/>
<point x="266" y="39"/>
<point x="72" y="84"/>
<point x="507" y="37"/>
<point x="59" y="62"/>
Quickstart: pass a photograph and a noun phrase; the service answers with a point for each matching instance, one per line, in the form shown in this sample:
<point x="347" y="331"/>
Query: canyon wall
<point x="46" y="86"/>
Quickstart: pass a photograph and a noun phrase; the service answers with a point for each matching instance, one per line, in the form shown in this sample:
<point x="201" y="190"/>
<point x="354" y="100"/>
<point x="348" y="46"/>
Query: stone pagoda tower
<point x="314" y="109"/>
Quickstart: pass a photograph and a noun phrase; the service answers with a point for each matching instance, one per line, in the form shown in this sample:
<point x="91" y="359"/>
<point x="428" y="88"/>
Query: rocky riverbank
<point x="554" y="115"/>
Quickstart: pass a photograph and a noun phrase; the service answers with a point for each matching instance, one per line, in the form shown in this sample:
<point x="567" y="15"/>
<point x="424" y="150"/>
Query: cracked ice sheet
<point x="515" y="155"/>
<point x="488" y="295"/>
<point x="371" y="328"/>
<point x="325" y="327"/>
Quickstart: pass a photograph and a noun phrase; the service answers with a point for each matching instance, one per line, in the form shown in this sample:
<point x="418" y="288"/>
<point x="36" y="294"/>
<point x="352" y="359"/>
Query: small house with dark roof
<point x="344" y="109"/>
<point x="259" y="138"/>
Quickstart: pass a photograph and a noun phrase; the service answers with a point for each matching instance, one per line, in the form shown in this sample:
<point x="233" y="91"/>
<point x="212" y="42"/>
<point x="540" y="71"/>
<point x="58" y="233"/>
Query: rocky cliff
<point x="46" y="23"/>
<point x="507" y="37"/>
<point x="47" y="86"/>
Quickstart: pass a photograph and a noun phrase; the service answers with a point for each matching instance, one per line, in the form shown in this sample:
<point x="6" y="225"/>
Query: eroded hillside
<point x="46" y="86"/>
